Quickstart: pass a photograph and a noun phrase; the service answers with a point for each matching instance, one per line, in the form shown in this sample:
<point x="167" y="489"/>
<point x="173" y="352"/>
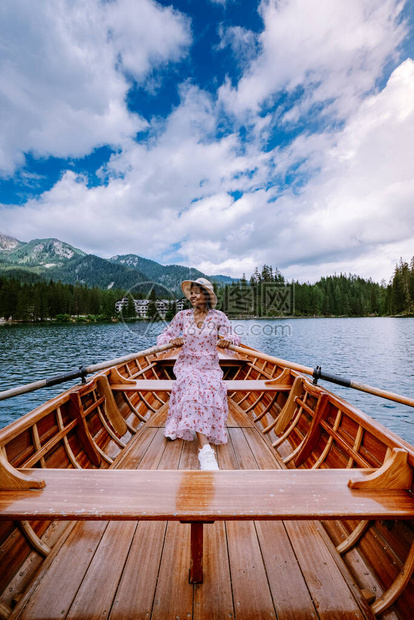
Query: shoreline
<point x="86" y="321"/>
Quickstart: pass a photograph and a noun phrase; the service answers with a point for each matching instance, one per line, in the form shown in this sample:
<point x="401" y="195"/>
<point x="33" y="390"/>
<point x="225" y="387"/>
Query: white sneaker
<point x="171" y="437"/>
<point x="207" y="459"/>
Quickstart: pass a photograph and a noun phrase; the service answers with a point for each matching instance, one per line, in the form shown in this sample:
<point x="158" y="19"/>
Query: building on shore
<point x="142" y="306"/>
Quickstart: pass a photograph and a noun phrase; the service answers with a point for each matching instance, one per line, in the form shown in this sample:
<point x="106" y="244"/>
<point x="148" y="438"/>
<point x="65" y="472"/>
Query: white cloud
<point x="147" y="34"/>
<point x="354" y="215"/>
<point x="185" y="161"/>
<point x="335" y="50"/>
<point x="156" y="195"/>
<point x="61" y="90"/>
<point x="243" y="43"/>
<point x="357" y="214"/>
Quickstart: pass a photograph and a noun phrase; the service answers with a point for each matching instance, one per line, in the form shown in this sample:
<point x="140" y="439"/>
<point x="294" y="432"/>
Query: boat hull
<point x="278" y="420"/>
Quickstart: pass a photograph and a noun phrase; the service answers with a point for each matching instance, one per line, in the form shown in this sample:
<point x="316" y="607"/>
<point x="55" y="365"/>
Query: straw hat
<point x="203" y="283"/>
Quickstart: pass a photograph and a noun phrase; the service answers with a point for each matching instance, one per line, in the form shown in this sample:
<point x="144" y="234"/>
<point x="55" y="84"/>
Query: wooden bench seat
<point x="199" y="497"/>
<point x="202" y="496"/>
<point x="165" y="385"/>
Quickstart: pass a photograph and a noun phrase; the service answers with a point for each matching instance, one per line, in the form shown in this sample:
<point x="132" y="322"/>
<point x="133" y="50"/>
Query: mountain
<point x="150" y="267"/>
<point x="56" y="260"/>
<point x="9" y="244"/>
<point x="169" y="276"/>
<point x="43" y="253"/>
<point x="223" y="279"/>
<point x="95" y="271"/>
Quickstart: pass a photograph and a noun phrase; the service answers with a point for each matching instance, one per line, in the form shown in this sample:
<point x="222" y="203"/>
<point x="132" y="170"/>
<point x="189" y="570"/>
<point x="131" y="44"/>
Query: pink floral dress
<point x="198" y="401"/>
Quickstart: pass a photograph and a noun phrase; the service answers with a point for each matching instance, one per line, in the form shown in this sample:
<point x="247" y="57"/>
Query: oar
<point x="318" y="374"/>
<point x="79" y="374"/>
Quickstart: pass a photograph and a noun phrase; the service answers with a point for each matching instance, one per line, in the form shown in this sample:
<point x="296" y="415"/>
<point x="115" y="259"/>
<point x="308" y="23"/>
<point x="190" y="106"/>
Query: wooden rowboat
<point x="310" y="516"/>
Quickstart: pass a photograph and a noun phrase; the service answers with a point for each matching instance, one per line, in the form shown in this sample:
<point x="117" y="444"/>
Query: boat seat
<point x="199" y="497"/>
<point x="174" y="495"/>
<point x="148" y="385"/>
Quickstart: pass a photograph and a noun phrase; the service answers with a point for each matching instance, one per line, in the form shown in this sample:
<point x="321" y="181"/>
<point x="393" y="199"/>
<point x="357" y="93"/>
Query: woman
<point x="198" y="402"/>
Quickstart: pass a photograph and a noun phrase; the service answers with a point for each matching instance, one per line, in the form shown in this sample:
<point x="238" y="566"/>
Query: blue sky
<point x="216" y="134"/>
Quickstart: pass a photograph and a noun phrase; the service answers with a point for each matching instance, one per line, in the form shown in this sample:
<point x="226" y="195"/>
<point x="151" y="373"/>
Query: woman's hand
<point x="223" y="343"/>
<point x="177" y="342"/>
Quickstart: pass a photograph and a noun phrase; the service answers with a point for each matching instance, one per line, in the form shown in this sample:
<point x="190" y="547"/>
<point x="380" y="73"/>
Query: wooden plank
<point x="139" y="578"/>
<point x="266" y="456"/>
<point x="50" y="600"/>
<point x="189" y="455"/>
<point x="144" y="385"/>
<point x="246" y="566"/>
<point x="237" y="417"/>
<point x="90" y="534"/>
<point x="289" y="590"/>
<point x="159" y="417"/>
<point x="329" y="591"/>
<point x="166" y="385"/>
<point x="226" y="356"/>
<point x="255" y="385"/>
<point x="135" y="450"/>
<point x="155" y="451"/>
<point x="130" y="457"/>
<point x="174" y="595"/>
<point x="346" y="575"/>
<point x="247" y="571"/>
<point x="242" y="451"/>
<point x="213" y="599"/>
<point x="201" y="495"/>
<point x="171" y="456"/>
<point x="135" y="594"/>
<point x="225" y="456"/>
<point x="95" y="595"/>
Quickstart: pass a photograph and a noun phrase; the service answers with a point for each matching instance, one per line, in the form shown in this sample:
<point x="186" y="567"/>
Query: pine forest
<point x="266" y="294"/>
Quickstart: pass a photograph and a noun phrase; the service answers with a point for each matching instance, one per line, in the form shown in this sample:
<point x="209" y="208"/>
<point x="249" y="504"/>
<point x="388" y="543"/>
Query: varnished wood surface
<point x="246" y="573"/>
<point x="243" y="578"/>
<point x="202" y="495"/>
<point x="236" y="418"/>
<point x="166" y="385"/>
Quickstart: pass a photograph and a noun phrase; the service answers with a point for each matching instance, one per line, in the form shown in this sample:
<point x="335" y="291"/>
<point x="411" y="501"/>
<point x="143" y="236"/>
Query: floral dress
<point x="198" y="401"/>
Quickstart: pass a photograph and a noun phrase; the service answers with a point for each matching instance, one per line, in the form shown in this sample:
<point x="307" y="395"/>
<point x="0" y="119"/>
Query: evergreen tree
<point x="171" y="312"/>
<point x="400" y="296"/>
<point x="128" y="312"/>
<point x="152" y="311"/>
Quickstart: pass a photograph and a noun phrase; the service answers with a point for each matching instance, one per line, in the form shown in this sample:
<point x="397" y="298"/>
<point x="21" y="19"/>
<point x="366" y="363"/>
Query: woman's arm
<point x="172" y="332"/>
<point x="226" y="331"/>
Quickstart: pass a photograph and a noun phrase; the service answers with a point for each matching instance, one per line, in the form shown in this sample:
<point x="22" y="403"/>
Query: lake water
<point x="375" y="351"/>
